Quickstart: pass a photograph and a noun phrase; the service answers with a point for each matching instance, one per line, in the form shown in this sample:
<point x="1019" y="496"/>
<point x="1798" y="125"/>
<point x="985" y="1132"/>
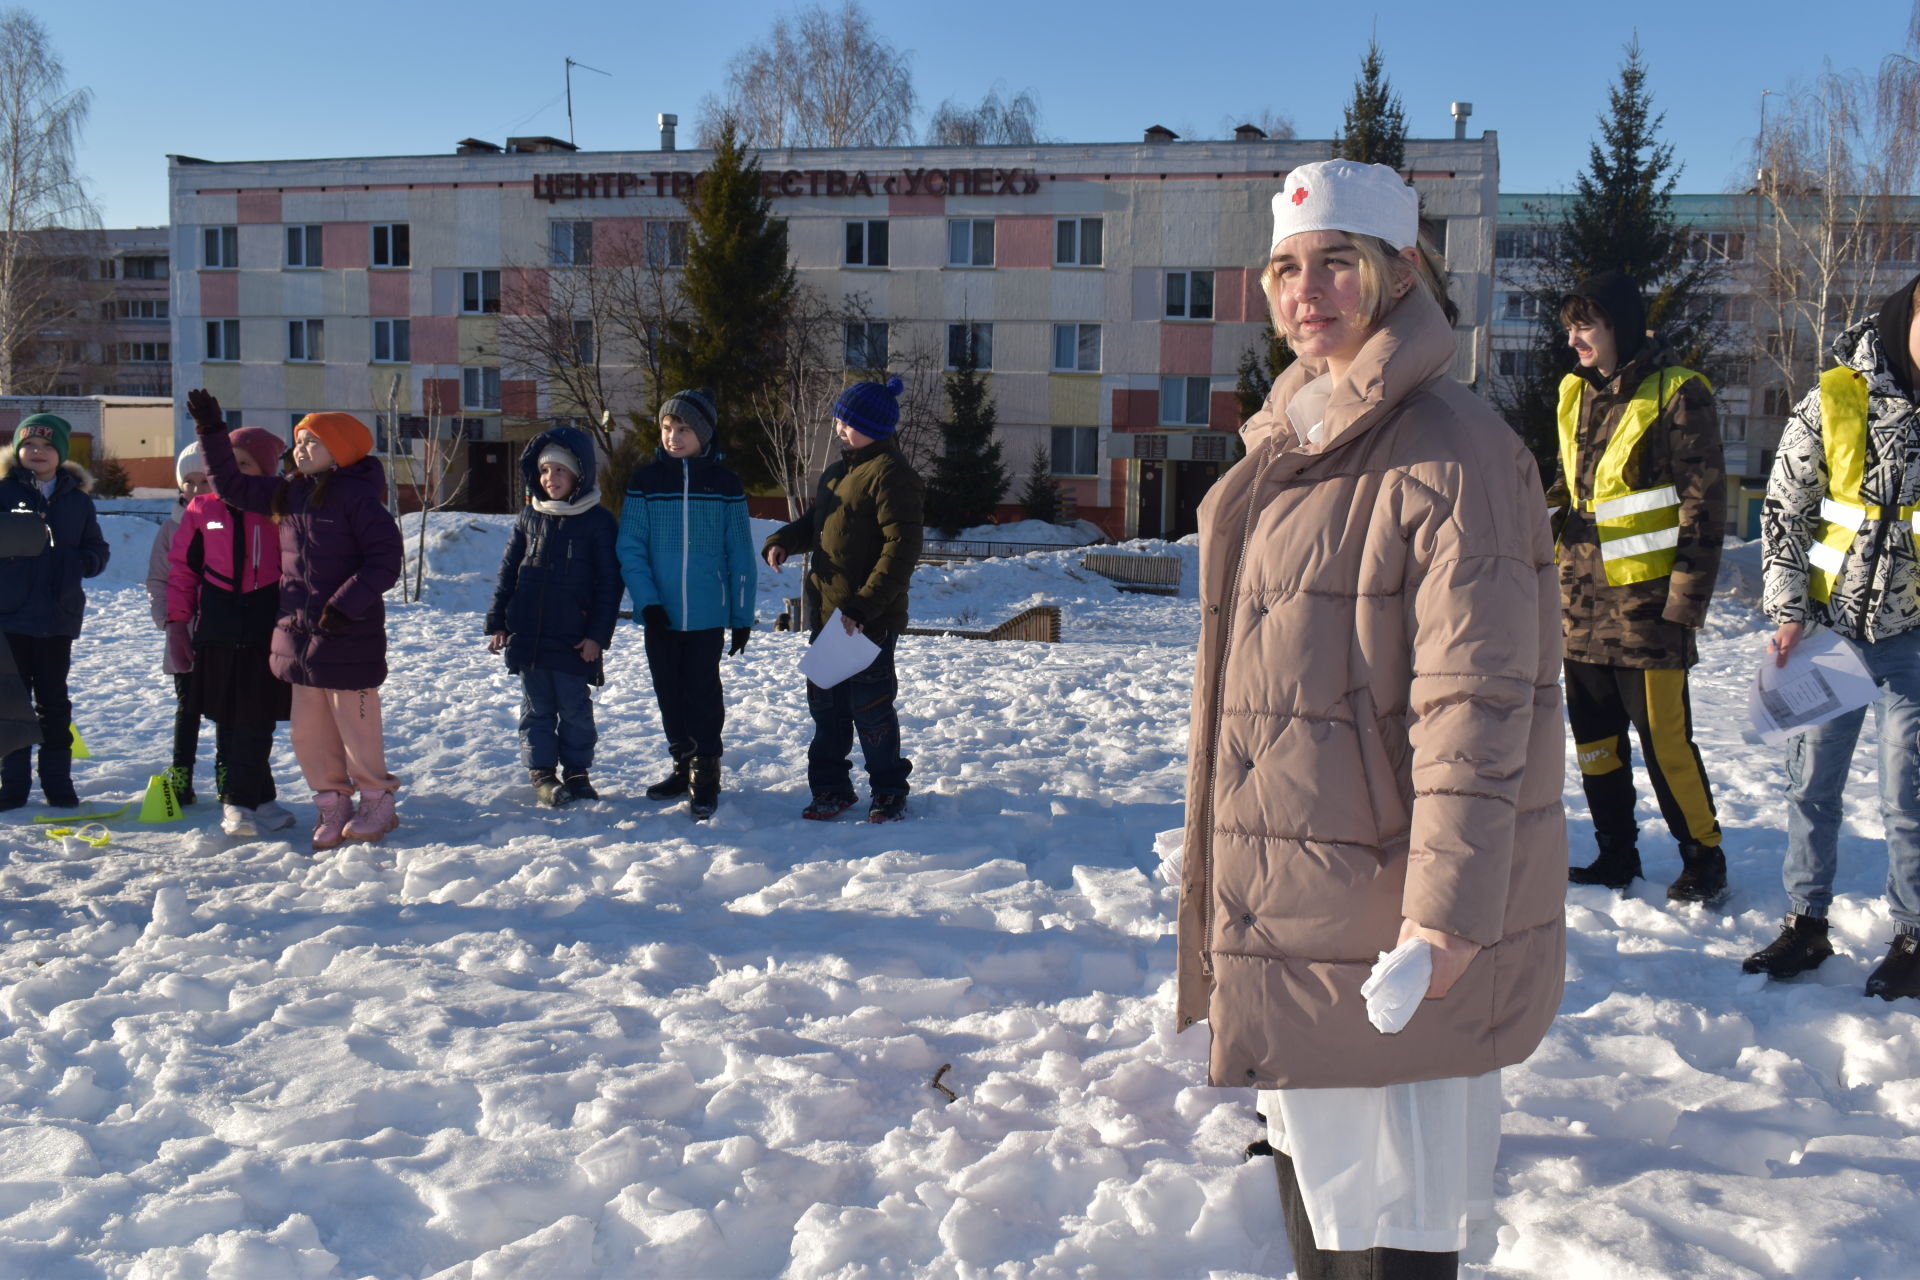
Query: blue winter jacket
<point x="685" y="543"/>
<point x="40" y="595"/>
<point x="559" y="582"/>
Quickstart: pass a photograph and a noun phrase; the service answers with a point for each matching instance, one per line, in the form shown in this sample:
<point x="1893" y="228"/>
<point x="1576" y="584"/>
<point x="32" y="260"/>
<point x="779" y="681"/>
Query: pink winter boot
<point x="335" y="808"/>
<point x="373" y="819"/>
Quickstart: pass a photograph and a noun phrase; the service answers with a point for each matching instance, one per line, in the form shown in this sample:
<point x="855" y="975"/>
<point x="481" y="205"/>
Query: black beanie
<point x="1894" y="324"/>
<point x="1615" y="293"/>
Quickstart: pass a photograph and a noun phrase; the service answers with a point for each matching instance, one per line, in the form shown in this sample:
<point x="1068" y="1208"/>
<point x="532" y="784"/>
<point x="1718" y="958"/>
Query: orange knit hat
<point x="345" y="436"/>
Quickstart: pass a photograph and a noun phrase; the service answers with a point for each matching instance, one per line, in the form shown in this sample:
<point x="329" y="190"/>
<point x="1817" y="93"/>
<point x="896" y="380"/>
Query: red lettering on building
<point x="833" y="183"/>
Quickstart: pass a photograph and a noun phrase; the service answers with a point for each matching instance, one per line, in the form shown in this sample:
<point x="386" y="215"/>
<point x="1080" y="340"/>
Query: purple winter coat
<point x="345" y="553"/>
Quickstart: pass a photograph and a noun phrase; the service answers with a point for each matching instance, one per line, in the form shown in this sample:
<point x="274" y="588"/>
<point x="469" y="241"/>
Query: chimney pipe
<point x="668" y="121"/>
<point x="1461" y="110"/>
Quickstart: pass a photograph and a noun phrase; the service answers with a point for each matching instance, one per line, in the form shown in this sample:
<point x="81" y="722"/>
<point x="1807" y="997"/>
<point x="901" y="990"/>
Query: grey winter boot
<point x="546" y="786"/>
<point x="705" y="787"/>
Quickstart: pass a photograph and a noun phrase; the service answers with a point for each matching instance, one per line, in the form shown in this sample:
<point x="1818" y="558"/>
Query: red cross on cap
<point x="1299" y="195"/>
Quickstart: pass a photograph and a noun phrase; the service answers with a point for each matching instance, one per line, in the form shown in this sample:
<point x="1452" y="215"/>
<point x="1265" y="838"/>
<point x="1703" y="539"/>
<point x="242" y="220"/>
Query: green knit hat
<point x="44" y="426"/>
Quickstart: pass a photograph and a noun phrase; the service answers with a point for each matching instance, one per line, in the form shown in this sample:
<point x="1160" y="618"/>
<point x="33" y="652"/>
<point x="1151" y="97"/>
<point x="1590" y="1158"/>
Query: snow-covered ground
<point x="607" y="1042"/>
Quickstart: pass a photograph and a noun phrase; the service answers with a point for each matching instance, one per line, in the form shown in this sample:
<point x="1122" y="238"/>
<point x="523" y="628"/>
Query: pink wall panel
<point x="435" y="340"/>
<point x="1023" y="242"/>
<point x="388" y="292"/>
<point x="1223" y="411"/>
<point x="1229" y="294"/>
<point x="1136" y="410"/>
<point x="916" y="206"/>
<point x="519" y="397"/>
<point x="344" y="244"/>
<point x="219" y="293"/>
<point x="523" y="291"/>
<point x="439" y="397"/>
<point x="618" y="241"/>
<point x="1186" y="348"/>
<point x="259" y="206"/>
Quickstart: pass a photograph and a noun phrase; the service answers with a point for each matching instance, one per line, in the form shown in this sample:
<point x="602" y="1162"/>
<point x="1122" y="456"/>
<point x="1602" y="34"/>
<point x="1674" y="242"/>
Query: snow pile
<point x="606" y="1042"/>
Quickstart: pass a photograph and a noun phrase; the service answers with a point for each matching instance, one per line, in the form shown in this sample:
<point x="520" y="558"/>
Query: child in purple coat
<point x="339" y="553"/>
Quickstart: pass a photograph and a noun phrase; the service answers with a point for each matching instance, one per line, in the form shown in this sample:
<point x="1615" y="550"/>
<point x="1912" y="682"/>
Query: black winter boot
<point x="1617" y="866"/>
<point x="1703" y="877"/>
<point x="675" y="784"/>
<point x="580" y="787"/>
<point x="546" y="786"/>
<point x="1802" y="945"/>
<point x="16" y="778"/>
<point x="1899" y="974"/>
<point x="705" y="787"/>
<point x="56" y="778"/>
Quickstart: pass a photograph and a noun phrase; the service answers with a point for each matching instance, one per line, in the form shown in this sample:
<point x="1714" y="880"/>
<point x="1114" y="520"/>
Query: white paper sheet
<point x="834" y="655"/>
<point x="1823" y="678"/>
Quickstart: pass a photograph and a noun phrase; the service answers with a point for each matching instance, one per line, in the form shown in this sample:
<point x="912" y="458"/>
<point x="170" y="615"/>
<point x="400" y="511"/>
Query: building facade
<point x="1111" y="290"/>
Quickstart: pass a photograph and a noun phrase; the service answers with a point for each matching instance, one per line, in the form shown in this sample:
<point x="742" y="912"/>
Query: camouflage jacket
<point x="1878" y="591"/>
<point x="1646" y="624"/>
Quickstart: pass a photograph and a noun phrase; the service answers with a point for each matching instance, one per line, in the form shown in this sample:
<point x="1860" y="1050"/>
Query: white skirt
<point x="1405" y="1166"/>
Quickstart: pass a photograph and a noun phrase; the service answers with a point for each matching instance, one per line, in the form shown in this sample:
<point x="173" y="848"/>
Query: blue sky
<point x="234" y="80"/>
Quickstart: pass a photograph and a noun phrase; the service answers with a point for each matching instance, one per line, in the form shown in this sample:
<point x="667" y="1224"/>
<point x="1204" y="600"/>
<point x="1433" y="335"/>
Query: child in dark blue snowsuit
<point x="554" y="610"/>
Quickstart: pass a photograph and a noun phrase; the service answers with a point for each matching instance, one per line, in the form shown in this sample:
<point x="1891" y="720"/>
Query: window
<point x="667" y="244"/>
<point x="480" y="292"/>
<point x="970" y="242"/>
<point x="1733" y="426"/>
<point x="392" y="245"/>
<point x="583" y="342"/>
<point x="1190" y="295"/>
<point x="570" y="244"/>
<point x="1435" y="231"/>
<point x="223" y="339"/>
<point x="1898" y="243"/>
<point x="479" y="388"/>
<point x="392" y="341"/>
<point x="1076" y="348"/>
<point x="866" y="345"/>
<point x="1775" y="403"/>
<point x="1076" y="451"/>
<point x="222" y="247"/>
<point x="1732" y="308"/>
<point x="143" y="269"/>
<point x="304" y="340"/>
<point x="1523" y="242"/>
<point x="867" y="242"/>
<point x="144" y="352"/>
<point x="141" y="309"/>
<point x="303" y="246"/>
<point x="961" y="336"/>
<point x="1519" y="306"/>
<point x="106" y="269"/>
<point x="1184" y="401"/>
<point x="1076" y="242"/>
<point x="1514" y="364"/>
<point x="1728" y="245"/>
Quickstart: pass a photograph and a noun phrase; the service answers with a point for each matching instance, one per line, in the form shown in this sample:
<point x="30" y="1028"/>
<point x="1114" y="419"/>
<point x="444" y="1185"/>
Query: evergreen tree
<point x="1041" y="494"/>
<point x="738" y="286"/>
<point x="1620" y="218"/>
<point x="1375" y="131"/>
<point x="1260" y="366"/>
<point x="968" y="478"/>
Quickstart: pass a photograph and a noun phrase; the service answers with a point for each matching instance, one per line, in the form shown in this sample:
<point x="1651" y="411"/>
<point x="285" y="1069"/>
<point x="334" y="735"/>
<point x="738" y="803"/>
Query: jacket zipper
<point x="686" y="534"/>
<point x="1213" y="727"/>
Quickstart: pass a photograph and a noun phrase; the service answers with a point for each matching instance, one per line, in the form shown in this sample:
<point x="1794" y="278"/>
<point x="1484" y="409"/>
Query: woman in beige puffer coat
<point x="1375" y="751"/>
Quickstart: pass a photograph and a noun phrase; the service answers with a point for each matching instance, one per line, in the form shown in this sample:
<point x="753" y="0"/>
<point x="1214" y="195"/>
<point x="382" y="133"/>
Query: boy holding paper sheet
<point x="864" y="530"/>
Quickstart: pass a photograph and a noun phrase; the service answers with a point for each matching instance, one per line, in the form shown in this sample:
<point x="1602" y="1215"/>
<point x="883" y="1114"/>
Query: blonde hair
<point x="1378" y="263"/>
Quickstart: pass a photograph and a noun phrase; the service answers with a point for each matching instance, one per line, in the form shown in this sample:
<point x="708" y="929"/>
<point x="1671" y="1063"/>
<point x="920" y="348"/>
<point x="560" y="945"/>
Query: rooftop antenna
<point x="571" y="64"/>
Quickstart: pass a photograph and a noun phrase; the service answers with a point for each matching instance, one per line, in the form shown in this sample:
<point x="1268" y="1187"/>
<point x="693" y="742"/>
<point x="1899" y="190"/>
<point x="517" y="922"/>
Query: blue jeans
<point x="1817" y="764"/>
<point x="556" y="719"/>
<point x="862" y="702"/>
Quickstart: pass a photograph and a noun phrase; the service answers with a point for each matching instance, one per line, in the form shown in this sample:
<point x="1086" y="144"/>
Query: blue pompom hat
<point x="871" y="409"/>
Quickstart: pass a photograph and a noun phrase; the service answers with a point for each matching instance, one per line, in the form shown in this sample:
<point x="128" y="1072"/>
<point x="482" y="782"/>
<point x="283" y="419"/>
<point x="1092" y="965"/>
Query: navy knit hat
<point x="695" y="408"/>
<point x="871" y="409"/>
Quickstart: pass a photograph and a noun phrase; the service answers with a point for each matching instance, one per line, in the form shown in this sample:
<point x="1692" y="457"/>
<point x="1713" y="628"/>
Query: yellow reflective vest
<point x="1843" y="433"/>
<point x="1639" y="529"/>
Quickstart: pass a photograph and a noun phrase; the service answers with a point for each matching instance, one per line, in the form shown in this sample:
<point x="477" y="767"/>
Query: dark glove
<point x="739" y="644"/>
<point x="205" y="411"/>
<point x="654" y="615"/>
<point x="179" y="647"/>
<point x="333" y="621"/>
<point x="854" y="614"/>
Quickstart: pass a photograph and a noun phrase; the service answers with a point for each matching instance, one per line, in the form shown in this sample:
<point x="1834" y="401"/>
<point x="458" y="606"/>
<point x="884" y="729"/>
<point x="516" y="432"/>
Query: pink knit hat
<point x="263" y="446"/>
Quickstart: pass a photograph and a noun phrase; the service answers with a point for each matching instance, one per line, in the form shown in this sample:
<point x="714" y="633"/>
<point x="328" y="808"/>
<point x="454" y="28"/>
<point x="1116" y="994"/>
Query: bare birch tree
<point x="996" y="121"/>
<point x="40" y="124"/>
<point x="822" y="78"/>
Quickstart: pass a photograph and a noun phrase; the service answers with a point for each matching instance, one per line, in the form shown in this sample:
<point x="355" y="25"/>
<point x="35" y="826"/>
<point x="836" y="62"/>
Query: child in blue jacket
<point x="686" y="551"/>
<point x="554" y="608"/>
<point x="40" y="597"/>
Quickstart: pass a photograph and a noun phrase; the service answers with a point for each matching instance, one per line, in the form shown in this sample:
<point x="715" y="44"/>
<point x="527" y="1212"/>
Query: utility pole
<point x="571" y="64"/>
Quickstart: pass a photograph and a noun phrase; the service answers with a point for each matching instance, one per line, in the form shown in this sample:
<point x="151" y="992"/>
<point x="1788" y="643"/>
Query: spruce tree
<point x="738" y="286"/>
<point x="1260" y="366"/>
<point x="968" y="478"/>
<point x="1620" y="218"/>
<point x="1041" y="494"/>
<point x="1375" y="131"/>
